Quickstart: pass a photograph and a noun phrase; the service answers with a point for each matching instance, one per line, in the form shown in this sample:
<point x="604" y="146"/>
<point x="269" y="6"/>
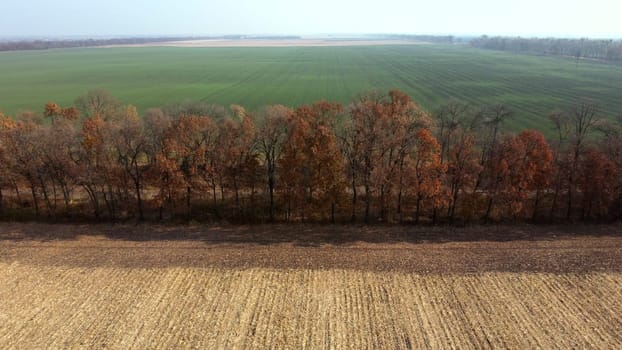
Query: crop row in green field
<point x="432" y="74"/>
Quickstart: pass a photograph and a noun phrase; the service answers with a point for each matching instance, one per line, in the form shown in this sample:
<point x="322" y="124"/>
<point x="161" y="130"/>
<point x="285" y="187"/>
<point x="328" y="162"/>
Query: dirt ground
<point x="343" y="287"/>
<point x="407" y="249"/>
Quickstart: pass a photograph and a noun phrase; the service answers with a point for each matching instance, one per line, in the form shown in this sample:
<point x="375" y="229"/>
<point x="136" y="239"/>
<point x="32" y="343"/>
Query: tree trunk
<point x="108" y="195"/>
<point x="418" y="209"/>
<point x="382" y="204"/>
<point x="237" y="193"/>
<point x="569" y="203"/>
<point x="489" y="208"/>
<point x="535" y="205"/>
<point x="367" y="203"/>
<point x="188" y="206"/>
<point x="271" y="190"/>
<point x="214" y="193"/>
<point x="67" y="199"/>
<point x="354" y="199"/>
<point x="554" y="204"/>
<point x="399" y="204"/>
<point x="139" y="199"/>
<point x="454" y="203"/>
<point x="17" y="194"/>
<point x="34" y="199"/>
<point x="46" y="197"/>
<point x="93" y="197"/>
<point x="54" y="201"/>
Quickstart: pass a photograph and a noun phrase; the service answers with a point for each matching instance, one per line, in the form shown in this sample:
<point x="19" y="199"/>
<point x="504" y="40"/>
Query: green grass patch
<point x="432" y="74"/>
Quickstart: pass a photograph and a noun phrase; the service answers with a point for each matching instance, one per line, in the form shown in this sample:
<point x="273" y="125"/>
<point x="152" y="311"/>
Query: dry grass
<point x="60" y="294"/>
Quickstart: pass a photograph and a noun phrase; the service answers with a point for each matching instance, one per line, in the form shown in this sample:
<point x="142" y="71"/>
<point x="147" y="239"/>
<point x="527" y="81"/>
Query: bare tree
<point x="582" y="120"/>
<point x="99" y="103"/>
<point x="271" y="138"/>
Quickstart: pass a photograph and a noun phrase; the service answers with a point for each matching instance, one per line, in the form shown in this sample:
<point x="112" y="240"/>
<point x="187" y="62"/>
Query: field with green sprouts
<point x="432" y="74"/>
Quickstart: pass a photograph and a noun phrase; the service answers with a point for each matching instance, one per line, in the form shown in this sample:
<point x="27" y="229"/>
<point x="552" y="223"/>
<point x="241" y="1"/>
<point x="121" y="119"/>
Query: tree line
<point x="380" y="159"/>
<point x="609" y="50"/>
<point x="439" y="39"/>
<point x="20" y="45"/>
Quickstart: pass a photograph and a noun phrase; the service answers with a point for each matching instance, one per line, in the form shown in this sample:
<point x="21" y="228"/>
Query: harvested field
<point x="322" y="287"/>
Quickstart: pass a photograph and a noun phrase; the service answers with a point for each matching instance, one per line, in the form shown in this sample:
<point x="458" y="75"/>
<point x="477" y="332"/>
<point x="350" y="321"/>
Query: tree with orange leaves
<point x="537" y="164"/>
<point x="60" y="148"/>
<point x="130" y="145"/>
<point x="184" y="160"/>
<point x="425" y="172"/>
<point x="523" y="167"/>
<point x="375" y="140"/>
<point x="294" y="167"/>
<point x="462" y="170"/>
<point x="238" y="159"/>
<point x="22" y="145"/>
<point x="70" y="113"/>
<point x="161" y="174"/>
<point x="53" y="111"/>
<point x="312" y="164"/>
<point x="596" y="183"/>
<point x="399" y="122"/>
<point x="611" y="145"/>
<point x="6" y="175"/>
<point x="97" y="166"/>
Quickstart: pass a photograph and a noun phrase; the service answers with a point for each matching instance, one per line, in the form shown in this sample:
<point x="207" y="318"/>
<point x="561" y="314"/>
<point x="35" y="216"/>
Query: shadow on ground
<point x="301" y="234"/>
<point x="412" y="249"/>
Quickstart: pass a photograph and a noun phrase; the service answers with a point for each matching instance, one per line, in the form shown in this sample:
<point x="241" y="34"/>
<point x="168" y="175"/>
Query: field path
<point x="333" y="288"/>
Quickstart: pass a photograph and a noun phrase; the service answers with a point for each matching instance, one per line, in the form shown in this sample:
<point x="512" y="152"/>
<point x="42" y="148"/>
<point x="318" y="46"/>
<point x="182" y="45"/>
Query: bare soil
<point x="313" y="287"/>
<point x="420" y="250"/>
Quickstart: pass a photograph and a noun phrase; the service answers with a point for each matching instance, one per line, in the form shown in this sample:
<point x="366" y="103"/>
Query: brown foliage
<point x="312" y="164"/>
<point x="303" y="164"/>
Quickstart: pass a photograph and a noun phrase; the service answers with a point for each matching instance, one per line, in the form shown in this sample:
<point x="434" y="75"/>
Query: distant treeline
<point x="60" y="44"/>
<point x="380" y="159"/>
<point x="610" y="50"/>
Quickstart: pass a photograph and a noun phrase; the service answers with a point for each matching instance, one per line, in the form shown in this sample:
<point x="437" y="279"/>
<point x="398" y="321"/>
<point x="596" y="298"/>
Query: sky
<point x="543" y="18"/>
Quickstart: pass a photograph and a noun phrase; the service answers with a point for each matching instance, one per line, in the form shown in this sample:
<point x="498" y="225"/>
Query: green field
<point x="432" y="74"/>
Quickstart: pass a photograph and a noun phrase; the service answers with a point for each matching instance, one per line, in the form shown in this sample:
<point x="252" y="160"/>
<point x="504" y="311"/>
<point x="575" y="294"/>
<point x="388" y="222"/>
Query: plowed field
<point x="319" y="287"/>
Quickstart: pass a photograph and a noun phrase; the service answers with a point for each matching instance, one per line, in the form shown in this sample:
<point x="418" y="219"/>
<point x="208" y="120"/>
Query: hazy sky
<point x="591" y="18"/>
